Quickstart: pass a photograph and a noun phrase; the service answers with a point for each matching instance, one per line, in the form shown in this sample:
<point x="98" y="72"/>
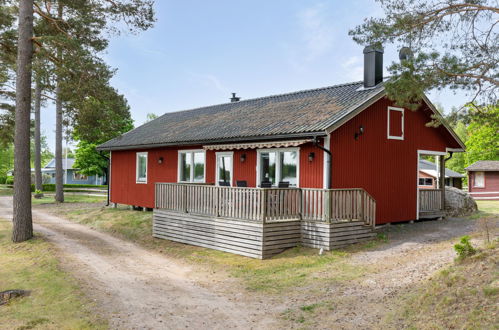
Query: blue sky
<point x="201" y="51"/>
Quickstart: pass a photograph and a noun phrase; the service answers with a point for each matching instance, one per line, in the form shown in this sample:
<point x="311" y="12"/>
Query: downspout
<point x="107" y="176"/>
<point x="328" y="161"/>
<point x="451" y="153"/>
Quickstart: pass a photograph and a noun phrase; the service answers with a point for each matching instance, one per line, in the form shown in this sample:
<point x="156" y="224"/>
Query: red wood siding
<point x="125" y="190"/>
<point x="386" y="168"/>
<point x="491" y="184"/>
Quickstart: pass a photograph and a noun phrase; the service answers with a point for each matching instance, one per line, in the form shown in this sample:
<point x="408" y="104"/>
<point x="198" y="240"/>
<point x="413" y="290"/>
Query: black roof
<point x="286" y="115"/>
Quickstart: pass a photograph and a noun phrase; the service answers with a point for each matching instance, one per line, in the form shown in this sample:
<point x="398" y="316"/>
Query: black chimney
<point x="373" y="66"/>
<point x="234" y="98"/>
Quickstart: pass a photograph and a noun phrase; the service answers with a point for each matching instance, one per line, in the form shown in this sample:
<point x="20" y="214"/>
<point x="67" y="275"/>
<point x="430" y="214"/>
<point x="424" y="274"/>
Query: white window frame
<point x="278" y="168"/>
<point x="75" y="179"/>
<point x="475" y="185"/>
<point x="179" y="165"/>
<point x="137" y="155"/>
<point x="394" y="137"/>
<point x="231" y="155"/>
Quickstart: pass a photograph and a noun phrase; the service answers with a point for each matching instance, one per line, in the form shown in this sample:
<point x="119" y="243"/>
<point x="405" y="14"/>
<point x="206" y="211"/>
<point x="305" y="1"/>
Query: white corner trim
<point x="394" y="137"/>
<point x="325" y="172"/>
<point x="184" y="151"/>
<point x="231" y="155"/>
<point x="137" y="155"/>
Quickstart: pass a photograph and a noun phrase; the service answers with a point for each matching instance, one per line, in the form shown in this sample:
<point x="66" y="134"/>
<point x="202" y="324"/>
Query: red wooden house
<point x="483" y="182"/>
<point x="327" y="155"/>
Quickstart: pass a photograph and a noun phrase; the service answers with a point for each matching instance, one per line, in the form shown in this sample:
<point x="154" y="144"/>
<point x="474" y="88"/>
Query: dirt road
<point x="139" y="289"/>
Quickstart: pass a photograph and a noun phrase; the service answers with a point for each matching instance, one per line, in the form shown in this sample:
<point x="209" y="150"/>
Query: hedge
<point x="51" y="186"/>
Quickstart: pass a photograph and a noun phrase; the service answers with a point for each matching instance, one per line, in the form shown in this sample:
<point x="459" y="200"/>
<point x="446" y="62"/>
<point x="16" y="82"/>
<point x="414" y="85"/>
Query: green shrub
<point x="51" y="186"/>
<point x="3" y="179"/>
<point x="464" y="249"/>
<point x="9" y="180"/>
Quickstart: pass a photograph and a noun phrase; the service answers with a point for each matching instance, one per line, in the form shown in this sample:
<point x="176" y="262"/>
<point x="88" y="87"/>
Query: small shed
<point x="483" y="179"/>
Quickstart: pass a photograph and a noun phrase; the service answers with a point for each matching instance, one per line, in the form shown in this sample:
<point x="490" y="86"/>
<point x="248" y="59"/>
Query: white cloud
<point x="353" y="68"/>
<point x="210" y="80"/>
<point x="317" y="31"/>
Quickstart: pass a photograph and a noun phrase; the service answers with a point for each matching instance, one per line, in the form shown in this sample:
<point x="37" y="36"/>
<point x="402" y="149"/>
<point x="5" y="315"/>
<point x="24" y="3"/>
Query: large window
<point x="141" y="167"/>
<point x="224" y="168"/>
<point x="77" y="176"/>
<point x="479" y="180"/>
<point x="191" y="165"/>
<point x="279" y="165"/>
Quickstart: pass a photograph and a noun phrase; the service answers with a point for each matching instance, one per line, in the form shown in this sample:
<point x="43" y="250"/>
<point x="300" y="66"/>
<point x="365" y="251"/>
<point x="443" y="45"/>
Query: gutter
<point x="328" y="161"/>
<point x="227" y="140"/>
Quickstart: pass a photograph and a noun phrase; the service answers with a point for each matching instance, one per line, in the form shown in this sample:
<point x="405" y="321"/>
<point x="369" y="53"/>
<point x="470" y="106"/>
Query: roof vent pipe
<point x="373" y="66"/>
<point x="234" y="98"/>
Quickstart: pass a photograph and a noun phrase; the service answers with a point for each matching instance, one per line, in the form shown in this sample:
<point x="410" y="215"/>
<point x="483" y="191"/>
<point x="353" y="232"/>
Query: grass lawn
<point x="69" y="198"/>
<point x="55" y="302"/>
<point x="490" y="207"/>
<point x="4" y="191"/>
<point x="295" y="267"/>
<point x="463" y="296"/>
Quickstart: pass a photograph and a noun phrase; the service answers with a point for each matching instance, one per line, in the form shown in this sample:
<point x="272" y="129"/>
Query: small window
<point x="79" y="177"/>
<point x="425" y="181"/>
<point x="141" y="167"/>
<point x="479" y="180"/>
<point x="395" y="126"/>
<point x="191" y="166"/>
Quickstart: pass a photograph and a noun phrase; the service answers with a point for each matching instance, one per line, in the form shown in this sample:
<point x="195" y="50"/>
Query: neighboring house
<point x="483" y="179"/>
<point x="192" y="166"/>
<point x="71" y="175"/>
<point x="428" y="174"/>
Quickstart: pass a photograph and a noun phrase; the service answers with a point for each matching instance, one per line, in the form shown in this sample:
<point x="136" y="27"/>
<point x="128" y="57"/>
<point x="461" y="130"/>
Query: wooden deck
<point x="260" y="223"/>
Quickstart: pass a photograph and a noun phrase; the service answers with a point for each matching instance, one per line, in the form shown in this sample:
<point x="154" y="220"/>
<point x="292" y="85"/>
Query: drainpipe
<point x="107" y="176"/>
<point x="450" y="156"/>
<point x="328" y="161"/>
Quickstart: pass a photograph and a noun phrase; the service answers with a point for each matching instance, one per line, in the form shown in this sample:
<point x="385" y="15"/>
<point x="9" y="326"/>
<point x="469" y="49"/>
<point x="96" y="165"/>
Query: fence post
<point x="184" y="193"/>
<point x="362" y="205"/>
<point x="327" y="206"/>
<point x="217" y="202"/>
<point x="264" y="204"/>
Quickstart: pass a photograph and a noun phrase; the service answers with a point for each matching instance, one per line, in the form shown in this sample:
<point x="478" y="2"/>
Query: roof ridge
<point x="264" y="97"/>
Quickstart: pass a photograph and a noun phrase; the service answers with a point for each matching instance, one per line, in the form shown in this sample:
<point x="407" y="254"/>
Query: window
<point x="79" y="177"/>
<point x="141" y="166"/>
<point x="191" y="166"/>
<point x="224" y="168"/>
<point x="278" y="165"/>
<point x="395" y="125"/>
<point x="425" y="181"/>
<point x="479" y="180"/>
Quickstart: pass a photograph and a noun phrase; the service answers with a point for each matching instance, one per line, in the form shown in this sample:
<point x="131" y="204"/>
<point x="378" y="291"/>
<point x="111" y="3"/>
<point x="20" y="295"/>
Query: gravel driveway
<point x="139" y="289"/>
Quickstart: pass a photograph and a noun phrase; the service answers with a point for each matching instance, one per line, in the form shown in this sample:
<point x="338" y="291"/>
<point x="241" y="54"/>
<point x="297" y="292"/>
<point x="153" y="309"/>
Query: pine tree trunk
<point x="22" y="220"/>
<point x="59" y="172"/>
<point x="38" y="147"/>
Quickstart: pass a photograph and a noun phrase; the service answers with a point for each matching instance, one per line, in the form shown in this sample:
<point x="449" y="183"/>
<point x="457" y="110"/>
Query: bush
<point x="51" y="186"/>
<point x="464" y="249"/>
<point x="9" y="180"/>
<point x="3" y="179"/>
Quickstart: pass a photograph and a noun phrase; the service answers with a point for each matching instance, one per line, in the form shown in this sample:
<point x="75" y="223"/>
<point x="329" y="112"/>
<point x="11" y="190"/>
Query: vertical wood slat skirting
<point x="430" y="200"/>
<point x="268" y="204"/>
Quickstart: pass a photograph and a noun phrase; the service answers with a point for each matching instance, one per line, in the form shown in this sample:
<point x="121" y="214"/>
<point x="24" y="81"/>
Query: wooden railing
<point x="338" y="205"/>
<point x="430" y="200"/>
<point x="268" y="204"/>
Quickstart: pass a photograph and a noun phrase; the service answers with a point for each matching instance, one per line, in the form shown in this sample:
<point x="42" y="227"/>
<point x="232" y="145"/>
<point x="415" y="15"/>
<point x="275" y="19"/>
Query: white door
<point x="224" y="174"/>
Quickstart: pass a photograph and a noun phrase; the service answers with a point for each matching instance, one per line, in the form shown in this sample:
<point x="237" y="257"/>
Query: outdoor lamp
<point x="160" y="160"/>
<point x="311" y="156"/>
<point x="243" y="158"/>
